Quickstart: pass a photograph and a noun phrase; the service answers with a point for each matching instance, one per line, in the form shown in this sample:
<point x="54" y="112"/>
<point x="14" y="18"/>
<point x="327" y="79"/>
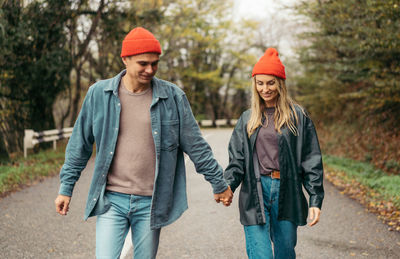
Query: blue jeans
<point x="282" y="235"/>
<point x="126" y="211"/>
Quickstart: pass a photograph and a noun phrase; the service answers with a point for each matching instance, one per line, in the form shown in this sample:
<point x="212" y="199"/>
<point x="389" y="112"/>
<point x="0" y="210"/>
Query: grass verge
<point x="378" y="191"/>
<point x="20" y="171"/>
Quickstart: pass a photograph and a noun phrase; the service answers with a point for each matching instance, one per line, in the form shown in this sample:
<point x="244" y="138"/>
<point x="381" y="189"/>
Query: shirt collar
<point x="159" y="89"/>
<point x="114" y="83"/>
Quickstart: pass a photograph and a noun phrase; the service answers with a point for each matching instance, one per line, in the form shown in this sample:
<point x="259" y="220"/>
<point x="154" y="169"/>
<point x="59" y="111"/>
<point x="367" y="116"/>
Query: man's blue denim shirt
<point x="174" y="130"/>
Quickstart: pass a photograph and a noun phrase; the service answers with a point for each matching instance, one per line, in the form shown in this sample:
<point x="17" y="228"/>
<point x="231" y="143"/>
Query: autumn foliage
<point x="349" y="81"/>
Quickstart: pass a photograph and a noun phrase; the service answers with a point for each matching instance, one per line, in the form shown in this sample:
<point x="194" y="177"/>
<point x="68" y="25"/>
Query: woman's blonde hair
<point x="285" y="113"/>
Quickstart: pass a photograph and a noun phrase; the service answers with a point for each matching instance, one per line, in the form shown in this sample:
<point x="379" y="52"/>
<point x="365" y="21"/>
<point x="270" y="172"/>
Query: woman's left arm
<point x="312" y="168"/>
<point x="313" y="214"/>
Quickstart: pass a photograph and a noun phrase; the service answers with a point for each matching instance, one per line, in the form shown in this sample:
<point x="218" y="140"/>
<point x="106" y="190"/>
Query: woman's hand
<point x="314" y="214"/>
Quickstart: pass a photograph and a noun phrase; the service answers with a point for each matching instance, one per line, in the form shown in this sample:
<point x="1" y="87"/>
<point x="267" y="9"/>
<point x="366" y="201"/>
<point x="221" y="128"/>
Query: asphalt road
<point x="30" y="227"/>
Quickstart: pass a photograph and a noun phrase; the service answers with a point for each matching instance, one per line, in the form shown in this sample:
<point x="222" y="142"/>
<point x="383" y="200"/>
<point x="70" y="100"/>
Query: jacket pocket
<point x="169" y="134"/>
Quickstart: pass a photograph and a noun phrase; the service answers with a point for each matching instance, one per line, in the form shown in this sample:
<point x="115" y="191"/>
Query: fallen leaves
<point x="371" y="200"/>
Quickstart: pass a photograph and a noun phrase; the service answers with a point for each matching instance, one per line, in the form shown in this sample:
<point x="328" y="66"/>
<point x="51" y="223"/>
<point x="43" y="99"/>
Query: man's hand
<point x="62" y="204"/>
<point x="314" y="214"/>
<point x="225" y="196"/>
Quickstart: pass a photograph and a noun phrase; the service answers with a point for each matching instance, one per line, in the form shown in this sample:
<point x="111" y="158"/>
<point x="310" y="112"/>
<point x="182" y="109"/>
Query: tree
<point x="351" y="65"/>
<point x="34" y="66"/>
<point x="199" y="56"/>
<point x="52" y="51"/>
<point x="95" y="31"/>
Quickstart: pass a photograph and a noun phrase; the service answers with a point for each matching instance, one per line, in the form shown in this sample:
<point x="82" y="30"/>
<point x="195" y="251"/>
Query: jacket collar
<point x="253" y="137"/>
<point x="159" y="91"/>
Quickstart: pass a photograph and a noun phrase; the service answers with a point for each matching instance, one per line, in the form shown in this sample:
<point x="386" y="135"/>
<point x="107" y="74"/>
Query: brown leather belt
<point x="275" y="175"/>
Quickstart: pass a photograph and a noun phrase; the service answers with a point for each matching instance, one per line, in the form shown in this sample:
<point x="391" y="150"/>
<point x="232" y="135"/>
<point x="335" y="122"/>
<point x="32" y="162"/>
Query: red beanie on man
<point x="270" y="64"/>
<point x="139" y="41"/>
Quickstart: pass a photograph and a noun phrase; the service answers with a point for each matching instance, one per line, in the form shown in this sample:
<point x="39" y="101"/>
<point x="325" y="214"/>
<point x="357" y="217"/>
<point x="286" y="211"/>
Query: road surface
<point x="30" y="227"/>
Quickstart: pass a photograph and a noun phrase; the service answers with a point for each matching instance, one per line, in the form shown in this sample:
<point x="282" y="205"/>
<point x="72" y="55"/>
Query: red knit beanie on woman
<point x="270" y="64"/>
<point x="139" y="41"/>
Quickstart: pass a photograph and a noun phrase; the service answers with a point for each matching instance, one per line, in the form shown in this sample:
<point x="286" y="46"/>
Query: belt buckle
<point x="275" y="175"/>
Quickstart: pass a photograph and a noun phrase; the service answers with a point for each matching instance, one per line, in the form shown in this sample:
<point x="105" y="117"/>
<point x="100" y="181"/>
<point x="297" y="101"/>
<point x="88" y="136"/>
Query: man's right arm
<point x="77" y="154"/>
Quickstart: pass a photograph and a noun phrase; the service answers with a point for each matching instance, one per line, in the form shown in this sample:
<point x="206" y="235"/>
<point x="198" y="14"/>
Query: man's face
<point x="142" y="68"/>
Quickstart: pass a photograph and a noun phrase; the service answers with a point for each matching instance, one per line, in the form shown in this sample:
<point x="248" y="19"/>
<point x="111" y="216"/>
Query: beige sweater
<point x="133" y="167"/>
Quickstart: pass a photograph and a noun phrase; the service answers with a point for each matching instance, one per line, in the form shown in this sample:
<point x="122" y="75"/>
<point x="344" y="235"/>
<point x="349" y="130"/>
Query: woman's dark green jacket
<point x="300" y="165"/>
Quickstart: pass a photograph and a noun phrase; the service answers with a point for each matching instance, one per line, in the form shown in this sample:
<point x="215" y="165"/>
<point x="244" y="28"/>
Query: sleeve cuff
<point x="315" y="201"/>
<point x="66" y="189"/>
<point x="221" y="187"/>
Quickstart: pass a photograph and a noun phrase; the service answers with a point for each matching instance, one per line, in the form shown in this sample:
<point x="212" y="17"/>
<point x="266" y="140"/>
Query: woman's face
<point x="267" y="88"/>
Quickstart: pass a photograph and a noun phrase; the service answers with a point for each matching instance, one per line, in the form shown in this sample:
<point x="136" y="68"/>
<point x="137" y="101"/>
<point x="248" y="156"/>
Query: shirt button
<point x="111" y="153"/>
<point x="94" y="199"/>
<point x="119" y="104"/>
<point x="155" y="132"/>
<point x="116" y="128"/>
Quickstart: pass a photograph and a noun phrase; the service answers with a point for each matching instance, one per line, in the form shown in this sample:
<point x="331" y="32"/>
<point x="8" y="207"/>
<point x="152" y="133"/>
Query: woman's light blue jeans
<point x="127" y="211"/>
<point x="283" y="234"/>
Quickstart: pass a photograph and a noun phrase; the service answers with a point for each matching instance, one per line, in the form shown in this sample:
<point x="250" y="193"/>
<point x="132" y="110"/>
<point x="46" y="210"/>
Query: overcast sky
<point x="267" y="9"/>
<point x="258" y="8"/>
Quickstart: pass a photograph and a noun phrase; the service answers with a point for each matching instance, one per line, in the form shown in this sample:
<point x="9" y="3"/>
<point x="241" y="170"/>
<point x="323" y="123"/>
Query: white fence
<point x="32" y="138"/>
<point x="218" y="123"/>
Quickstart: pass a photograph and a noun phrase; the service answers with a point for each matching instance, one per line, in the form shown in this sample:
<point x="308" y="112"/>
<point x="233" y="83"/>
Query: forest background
<point x="342" y="63"/>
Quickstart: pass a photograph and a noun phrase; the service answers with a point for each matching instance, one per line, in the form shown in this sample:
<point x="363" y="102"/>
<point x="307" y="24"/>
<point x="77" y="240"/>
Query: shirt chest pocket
<point x="169" y="134"/>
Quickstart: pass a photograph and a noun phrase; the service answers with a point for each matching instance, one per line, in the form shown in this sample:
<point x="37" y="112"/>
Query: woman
<point x="273" y="151"/>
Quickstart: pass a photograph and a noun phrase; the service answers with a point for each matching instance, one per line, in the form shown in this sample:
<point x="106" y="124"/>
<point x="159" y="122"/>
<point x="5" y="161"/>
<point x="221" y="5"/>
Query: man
<point x="141" y="126"/>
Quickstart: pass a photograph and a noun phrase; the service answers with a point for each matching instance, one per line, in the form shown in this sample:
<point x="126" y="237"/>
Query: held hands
<point x="62" y="204"/>
<point x="314" y="214"/>
<point x="225" y="197"/>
